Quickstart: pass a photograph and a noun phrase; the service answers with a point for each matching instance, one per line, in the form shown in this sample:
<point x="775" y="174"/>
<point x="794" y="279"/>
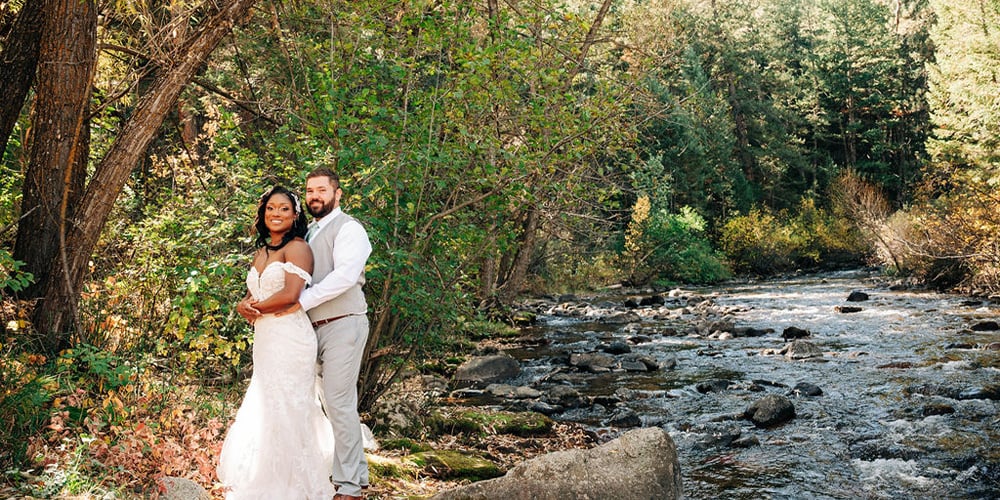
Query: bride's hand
<point x="294" y="307"/>
<point x="247" y="310"/>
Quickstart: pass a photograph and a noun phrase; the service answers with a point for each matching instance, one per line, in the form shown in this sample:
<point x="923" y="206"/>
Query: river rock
<point x="794" y="332"/>
<point x="713" y="435"/>
<point x="857" y="296"/>
<point x="564" y="396"/>
<point x="800" y="349"/>
<point x="648" y="363"/>
<point x="713" y="385"/>
<point x="514" y="392"/>
<point x="624" y="418"/>
<point x="652" y="300"/>
<point x="483" y="370"/>
<point x="806" y="389"/>
<point x="986" y="326"/>
<point x="633" y="365"/>
<point x="592" y="361"/>
<point x="991" y="392"/>
<point x="179" y="488"/>
<point x="749" y="331"/>
<point x="617" y="347"/>
<point x="449" y="464"/>
<point x="770" y="411"/>
<point x="640" y="464"/>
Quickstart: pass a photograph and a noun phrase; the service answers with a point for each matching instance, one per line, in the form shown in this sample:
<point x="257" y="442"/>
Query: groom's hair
<point x="325" y="172"/>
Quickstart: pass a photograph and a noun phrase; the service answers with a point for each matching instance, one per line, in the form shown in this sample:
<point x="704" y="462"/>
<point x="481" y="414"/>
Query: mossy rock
<point x="524" y="424"/>
<point x="387" y="469"/>
<point x="481" y="330"/>
<point x="436" y="367"/>
<point x="446" y="464"/>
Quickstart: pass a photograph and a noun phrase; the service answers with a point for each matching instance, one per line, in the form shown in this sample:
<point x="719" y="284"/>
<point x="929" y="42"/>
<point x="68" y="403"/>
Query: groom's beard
<point x="322" y="211"/>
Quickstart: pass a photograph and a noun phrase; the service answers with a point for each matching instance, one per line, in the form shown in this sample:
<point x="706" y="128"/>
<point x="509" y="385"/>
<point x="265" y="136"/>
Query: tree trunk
<point x="526" y="248"/>
<point x="57" y="165"/>
<point x="17" y="66"/>
<point x="52" y="314"/>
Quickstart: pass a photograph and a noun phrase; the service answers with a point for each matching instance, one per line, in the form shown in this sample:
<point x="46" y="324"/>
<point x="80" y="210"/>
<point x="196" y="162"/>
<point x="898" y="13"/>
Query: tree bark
<point x="57" y="166"/>
<point x="17" y="66"/>
<point x="526" y="248"/>
<point x="51" y="314"/>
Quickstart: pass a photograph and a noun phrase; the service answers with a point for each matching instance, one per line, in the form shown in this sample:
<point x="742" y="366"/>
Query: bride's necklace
<point x="279" y="246"/>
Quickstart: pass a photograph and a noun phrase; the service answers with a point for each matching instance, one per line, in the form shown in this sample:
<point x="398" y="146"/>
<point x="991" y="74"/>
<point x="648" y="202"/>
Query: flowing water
<point x="909" y="388"/>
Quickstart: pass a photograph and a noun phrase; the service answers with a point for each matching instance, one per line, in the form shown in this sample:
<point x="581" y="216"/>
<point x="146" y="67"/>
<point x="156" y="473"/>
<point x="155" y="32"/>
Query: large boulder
<point x="641" y="464"/>
<point x="179" y="488"/>
<point x="483" y="370"/>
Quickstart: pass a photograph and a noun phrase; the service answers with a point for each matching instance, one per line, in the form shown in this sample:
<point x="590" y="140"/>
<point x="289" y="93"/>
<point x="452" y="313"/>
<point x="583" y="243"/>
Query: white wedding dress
<point x="280" y="446"/>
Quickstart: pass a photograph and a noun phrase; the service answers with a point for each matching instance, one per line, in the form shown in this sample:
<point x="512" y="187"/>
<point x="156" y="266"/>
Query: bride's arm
<point x="297" y="252"/>
<point x="246" y="306"/>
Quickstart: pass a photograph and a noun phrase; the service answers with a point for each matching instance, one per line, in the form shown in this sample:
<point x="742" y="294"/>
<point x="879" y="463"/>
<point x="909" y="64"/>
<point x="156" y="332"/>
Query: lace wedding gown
<point x="280" y="446"/>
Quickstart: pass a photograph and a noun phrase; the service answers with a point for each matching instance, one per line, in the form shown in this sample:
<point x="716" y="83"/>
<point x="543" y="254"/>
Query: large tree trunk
<point x="17" y="66"/>
<point x="55" y="313"/>
<point x="526" y="248"/>
<point x="54" y="180"/>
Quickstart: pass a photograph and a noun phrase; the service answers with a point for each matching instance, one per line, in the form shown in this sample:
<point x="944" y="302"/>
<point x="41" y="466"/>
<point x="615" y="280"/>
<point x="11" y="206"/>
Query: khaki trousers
<point x="341" y="346"/>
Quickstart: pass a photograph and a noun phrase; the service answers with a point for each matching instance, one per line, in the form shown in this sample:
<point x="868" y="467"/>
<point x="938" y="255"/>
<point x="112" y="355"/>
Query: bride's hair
<point x="299" y="226"/>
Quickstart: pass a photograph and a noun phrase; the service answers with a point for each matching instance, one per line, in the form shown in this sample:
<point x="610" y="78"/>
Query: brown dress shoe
<point x="340" y="496"/>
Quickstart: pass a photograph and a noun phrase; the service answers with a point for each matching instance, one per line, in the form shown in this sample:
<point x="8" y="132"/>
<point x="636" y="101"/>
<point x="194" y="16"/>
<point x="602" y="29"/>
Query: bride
<point x="280" y="446"/>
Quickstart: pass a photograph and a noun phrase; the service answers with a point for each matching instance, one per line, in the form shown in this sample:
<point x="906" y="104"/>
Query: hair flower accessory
<point x="296" y="204"/>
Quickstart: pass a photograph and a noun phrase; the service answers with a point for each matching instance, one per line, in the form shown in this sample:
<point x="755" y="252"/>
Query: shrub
<point x="664" y="246"/>
<point x="762" y="242"/>
<point x="757" y="243"/>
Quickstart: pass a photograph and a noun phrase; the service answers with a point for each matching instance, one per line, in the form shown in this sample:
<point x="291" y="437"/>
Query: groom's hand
<point x="247" y="310"/>
<point x="293" y="308"/>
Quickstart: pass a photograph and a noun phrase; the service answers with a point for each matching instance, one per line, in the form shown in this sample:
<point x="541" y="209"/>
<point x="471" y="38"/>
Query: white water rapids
<point x="902" y="413"/>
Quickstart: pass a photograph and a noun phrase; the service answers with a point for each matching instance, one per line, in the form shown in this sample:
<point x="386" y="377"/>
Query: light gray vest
<point x="352" y="301"/>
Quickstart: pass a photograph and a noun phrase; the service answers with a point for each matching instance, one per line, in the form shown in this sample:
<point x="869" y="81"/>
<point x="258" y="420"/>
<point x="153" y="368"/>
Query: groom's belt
<point x="319" y="323"/>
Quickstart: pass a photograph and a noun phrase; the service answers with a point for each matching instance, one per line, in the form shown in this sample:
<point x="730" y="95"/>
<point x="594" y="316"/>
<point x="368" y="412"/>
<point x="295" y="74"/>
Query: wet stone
<point x="793" y="332"/>
<point x="714" y="385"/>
<point x="716" y="435"/>
<point x="801" y="349"/>
<point x="770" y="411"/>
<point x="806" y="389"/>
<point x="624" y="418"/>
<point x="986" y="326"/>
<point x="991" y="392"/>
<point x="617" y="347"/>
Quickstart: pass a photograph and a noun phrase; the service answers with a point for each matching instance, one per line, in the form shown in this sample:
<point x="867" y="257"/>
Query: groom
<point x="337" y="308"/>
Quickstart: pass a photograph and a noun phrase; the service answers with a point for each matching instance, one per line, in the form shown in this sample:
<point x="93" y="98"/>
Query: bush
<point x="761" y="242"/>
<point x="663" y="246"/>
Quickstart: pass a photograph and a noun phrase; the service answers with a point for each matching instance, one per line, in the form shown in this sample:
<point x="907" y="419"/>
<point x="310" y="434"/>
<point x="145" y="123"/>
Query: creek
<point x="908" y="378"/>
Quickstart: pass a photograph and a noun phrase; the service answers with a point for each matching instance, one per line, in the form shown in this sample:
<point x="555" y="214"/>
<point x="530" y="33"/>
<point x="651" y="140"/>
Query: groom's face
<point x="322" y="196"/>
